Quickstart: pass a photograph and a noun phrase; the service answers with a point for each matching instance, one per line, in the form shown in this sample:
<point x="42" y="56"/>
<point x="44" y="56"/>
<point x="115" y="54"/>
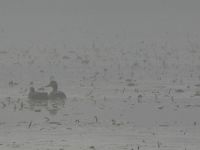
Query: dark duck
<point x="37" y="97"/>
<point x="56" y="96"/>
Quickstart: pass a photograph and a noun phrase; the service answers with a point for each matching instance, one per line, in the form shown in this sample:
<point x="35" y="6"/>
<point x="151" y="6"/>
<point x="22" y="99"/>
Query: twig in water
<point x="96" y="119"/>
<point x="30" y="124"/>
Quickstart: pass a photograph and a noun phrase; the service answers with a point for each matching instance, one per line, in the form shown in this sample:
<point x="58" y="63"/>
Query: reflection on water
<point x="55" y="105"/>
<point x="35" y="104"/>
<point x="52" y="107"/>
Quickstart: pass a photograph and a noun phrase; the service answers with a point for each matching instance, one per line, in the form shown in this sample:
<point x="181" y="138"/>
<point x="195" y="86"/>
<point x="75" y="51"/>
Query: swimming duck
<point x="56" y="96"/>
<point x="37" y="98"/>
<point x="33" y="95"/>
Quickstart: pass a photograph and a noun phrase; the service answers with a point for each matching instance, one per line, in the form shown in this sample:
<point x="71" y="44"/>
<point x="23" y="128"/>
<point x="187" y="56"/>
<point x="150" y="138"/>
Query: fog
<point x="130" y="71"/>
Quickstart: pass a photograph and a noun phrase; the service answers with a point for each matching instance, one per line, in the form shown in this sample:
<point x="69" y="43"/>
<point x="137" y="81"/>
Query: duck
<point x="34" y="95"/>
<point x="37" y="97"/>
<point x="56" y="96"/>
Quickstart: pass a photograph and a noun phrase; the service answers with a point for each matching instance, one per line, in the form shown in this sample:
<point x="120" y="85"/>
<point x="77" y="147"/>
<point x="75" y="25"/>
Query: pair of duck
<point x="56" y="97"/>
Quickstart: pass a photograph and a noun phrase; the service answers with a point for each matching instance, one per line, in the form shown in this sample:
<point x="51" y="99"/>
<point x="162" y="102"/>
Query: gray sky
<point x="98" y="6"/>
<point x="78" y="22"/>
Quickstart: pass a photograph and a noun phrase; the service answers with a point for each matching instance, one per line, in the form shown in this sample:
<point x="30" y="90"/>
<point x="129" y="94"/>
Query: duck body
<point x="56" y="98"/>
<point x="37" y="98"/>
<point x="54" y="95"/>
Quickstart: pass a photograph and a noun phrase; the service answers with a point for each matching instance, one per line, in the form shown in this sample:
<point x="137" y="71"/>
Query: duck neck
<point x="55" y="89"/>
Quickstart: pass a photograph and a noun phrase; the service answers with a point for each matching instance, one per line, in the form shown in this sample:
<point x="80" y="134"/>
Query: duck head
<point x="53" y="85"/>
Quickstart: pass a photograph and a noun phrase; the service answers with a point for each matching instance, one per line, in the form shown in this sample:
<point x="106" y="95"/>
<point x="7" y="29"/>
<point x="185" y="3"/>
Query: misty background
<point x="135" y="39"/>
<point x="130" y="70"/>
